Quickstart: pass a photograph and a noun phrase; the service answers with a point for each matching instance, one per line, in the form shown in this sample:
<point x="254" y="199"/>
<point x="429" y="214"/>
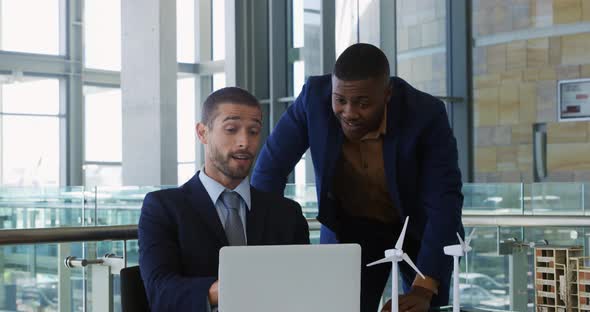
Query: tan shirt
<point x="360" y="184"/>
<point x="359" y="179"/>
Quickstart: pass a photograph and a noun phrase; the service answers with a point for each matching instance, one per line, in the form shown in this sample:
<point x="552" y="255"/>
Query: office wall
<point x="521" y="50"/>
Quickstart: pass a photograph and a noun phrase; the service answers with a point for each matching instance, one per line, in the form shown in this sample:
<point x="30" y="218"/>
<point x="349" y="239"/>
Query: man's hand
<point x="417" y="300"/>
<point x="214" y="294"/>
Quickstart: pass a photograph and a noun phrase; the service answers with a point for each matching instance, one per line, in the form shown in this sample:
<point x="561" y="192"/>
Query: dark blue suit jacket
<point x="180" y="235"/>
<point x="420" y="158"/>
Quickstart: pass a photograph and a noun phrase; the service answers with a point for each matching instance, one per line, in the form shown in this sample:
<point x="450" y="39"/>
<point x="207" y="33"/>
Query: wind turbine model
<point x="457" y="251"/>
<point x="394" y="256"/>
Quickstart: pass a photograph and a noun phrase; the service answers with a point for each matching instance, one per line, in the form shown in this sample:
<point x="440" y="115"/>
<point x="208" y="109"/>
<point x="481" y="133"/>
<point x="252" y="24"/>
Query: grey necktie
<point x="234" y="229"/>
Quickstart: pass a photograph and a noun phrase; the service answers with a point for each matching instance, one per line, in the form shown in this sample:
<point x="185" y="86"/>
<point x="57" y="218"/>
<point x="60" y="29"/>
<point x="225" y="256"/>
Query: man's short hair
<point x="228" y="95"/>
<point x="361" y="61"/>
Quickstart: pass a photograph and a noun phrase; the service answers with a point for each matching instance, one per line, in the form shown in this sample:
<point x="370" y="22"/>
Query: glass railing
<point x="22" y="208"/>
<point x="31" y="275"/>
<point x="480" y="198"/>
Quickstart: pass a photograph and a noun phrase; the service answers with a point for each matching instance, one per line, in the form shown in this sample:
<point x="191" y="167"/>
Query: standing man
<point x="381" y="151"/>
<point x="181" y="230"/>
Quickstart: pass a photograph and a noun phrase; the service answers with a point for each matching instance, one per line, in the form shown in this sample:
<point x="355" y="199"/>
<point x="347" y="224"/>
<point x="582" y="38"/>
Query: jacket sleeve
<point x="440" y="184"/>
<point x="159" y="262"/>
<point x="283" y="148"/>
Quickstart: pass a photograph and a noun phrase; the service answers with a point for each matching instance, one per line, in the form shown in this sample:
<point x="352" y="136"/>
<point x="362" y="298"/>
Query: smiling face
<point x="359" y="104"/>
<point x="231" y="140"/>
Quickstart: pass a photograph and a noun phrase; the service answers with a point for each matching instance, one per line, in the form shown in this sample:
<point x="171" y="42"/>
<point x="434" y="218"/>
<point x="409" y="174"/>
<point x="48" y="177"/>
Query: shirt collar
<point x="214" y="188"/>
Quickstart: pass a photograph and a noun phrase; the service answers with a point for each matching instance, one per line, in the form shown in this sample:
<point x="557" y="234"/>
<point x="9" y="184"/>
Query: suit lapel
<point x="256" y="217"/>
<point x="390" y="143"/>
<point x="201" y="201"/>
<point x="332" y="149"/>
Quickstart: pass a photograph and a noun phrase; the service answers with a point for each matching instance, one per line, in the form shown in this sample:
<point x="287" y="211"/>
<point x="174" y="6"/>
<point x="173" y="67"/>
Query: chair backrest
<point x="133" y="296"/>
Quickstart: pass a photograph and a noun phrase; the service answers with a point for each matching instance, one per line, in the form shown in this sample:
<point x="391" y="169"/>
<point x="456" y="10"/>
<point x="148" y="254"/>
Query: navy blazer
<point x="420" y="159"/>
<point x="180" y="235"/>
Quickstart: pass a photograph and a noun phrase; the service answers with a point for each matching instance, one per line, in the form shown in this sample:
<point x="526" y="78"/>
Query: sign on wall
<point x="573" y="100"/>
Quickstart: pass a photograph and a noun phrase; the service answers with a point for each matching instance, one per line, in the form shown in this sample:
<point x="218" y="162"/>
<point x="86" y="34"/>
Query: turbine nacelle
<point x="397" y="254"/>
<point x="454" y="250"/>
<point x="394" y="253"/>
<point x="461" y="249"/>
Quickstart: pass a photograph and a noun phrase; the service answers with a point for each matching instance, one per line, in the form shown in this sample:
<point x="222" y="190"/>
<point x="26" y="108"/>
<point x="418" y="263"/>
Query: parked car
<point x="485" y="282"/>
<point x="475" y="296"/>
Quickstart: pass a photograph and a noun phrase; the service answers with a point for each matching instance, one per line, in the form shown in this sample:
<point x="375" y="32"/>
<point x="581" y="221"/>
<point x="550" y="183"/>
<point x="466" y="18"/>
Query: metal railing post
<point x="101" y="288"/>
<point x="101" y="278"/>
<point x="64" y="293"/>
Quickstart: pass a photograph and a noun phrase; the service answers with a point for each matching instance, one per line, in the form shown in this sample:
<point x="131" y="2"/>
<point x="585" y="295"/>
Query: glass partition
<point x="27" y="208"/>
<point x="557" y="198"/>
<point x="31" y="274"/>
<point x="30" y="279"/>
<point x="36" y="207"/>
<point x="488" y="198"/>
<point x="305" y="195"/>
<point x="118" y="205"/>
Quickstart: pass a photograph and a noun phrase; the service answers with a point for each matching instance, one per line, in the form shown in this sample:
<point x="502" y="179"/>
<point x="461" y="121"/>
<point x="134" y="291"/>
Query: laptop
<point x="292" y="278"/>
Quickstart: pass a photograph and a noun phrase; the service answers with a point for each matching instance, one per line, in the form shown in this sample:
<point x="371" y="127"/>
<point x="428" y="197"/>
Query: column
<point x="148" y="85"/>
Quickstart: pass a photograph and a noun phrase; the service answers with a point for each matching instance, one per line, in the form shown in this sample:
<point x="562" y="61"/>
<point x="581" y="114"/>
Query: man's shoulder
<point x="418" y="103"/>
<point x="413" y="95"/>
<point x="167" y="192"/>
<point x="320" y="81"/>
<point x="318" y="86"/>
<point x="165" y="195"/>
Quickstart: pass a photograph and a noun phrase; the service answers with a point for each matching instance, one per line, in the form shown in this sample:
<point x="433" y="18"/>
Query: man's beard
<point x="221" y="162"/>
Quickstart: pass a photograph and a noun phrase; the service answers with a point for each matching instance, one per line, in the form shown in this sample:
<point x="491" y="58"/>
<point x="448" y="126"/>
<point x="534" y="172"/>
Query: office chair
<point x="133" y="298"/>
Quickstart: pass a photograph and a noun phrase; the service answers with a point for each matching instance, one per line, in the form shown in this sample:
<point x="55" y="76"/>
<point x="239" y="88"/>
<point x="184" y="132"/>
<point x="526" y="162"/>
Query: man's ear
<point x="202" y="132"/>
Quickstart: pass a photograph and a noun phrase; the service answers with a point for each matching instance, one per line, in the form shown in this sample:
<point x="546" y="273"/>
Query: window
<point x="185" y="31"/>
<point x="30" y="26"/>
<point x="30" y="132"/>
<point x="218" y="30"/>
<point x="305" y="46"/>
<point x="346" y="24"/>
<point x="186" y="132"/>
<point x="421" y="43"/>
<point x="102" y="34"/>
<point x="298" y="24"/>
<point x="218" y="81"/>
<point x="103" y="136"/>
<point x="298" y="77"/>
<point x="102" y="174"/>
<point x="31" y="96"/>
<point x="103" y="119"/>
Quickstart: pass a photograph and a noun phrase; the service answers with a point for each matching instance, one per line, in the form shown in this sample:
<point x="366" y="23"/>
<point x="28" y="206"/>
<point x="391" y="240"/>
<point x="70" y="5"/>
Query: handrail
<point x="129" y="232"/>
<point x="526" y="220"/>
<point x="68" y="234"/>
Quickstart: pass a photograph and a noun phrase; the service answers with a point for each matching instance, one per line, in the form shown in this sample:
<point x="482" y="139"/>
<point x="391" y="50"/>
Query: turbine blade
<point x="384" y="260"/>
<point x="460" y="240"/>
<point x="411" y="263"/>
<point x="468" y="240"/>
<point x="400" y="240"/>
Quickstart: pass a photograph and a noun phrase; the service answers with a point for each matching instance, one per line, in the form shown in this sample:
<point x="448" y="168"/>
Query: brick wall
<point x="515" y="86"/>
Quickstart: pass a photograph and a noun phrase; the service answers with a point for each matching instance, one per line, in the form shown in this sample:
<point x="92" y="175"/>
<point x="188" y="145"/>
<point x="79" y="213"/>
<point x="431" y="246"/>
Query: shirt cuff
<point x="427" y="282"/>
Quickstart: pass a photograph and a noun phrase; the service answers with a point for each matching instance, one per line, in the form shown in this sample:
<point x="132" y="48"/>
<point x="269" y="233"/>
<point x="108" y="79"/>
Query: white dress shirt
<point x="214" y="189"/>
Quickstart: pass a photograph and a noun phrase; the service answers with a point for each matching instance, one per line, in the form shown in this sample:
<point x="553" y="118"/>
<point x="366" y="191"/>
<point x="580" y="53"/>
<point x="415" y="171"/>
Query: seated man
<point x="182" y="229"/>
